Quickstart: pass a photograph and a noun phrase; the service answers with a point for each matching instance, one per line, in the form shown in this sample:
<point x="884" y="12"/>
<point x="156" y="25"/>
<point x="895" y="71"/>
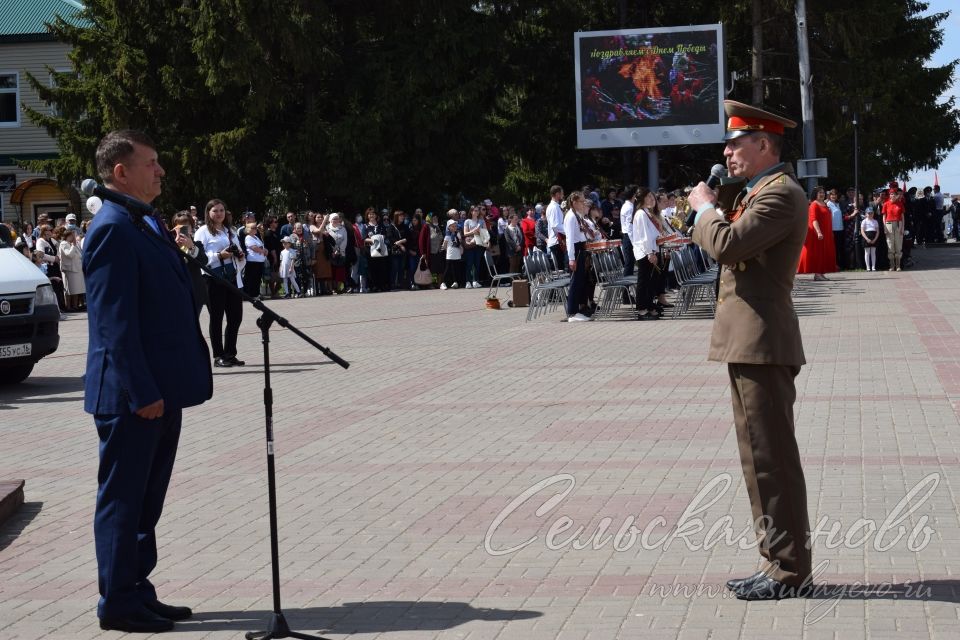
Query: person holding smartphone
<point x="183" y="227"/>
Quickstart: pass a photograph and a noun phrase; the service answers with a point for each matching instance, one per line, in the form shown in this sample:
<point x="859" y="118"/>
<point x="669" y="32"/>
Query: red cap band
<point x="737" y="123"/>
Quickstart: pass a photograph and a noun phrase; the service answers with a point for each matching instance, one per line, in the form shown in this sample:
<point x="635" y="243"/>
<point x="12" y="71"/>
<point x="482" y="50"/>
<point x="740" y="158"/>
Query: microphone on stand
<point x="717" y="172"/>
<point x="137" y="207"/>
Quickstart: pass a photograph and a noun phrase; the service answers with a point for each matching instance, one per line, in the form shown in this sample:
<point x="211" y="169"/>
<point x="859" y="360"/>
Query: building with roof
<point x="26" y="46"/>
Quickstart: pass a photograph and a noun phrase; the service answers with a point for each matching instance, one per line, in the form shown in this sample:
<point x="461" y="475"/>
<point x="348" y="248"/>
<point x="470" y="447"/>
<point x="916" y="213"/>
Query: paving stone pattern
<point x="475" y="476"/>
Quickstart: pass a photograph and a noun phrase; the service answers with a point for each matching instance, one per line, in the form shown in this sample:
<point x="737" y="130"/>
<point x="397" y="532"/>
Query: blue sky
<point x="949" y="170"/>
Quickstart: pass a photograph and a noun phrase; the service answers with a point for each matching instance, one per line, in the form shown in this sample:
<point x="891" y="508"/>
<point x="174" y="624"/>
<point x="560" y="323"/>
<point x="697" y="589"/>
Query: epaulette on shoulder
<point x="782" y="179"/>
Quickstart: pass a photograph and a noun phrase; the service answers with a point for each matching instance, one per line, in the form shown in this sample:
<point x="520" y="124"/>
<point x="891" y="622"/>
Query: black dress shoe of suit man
<point x="735" y="584"/>
<point x="766" y="588"/>
<point x="140" y="621"/>
<point x="167" y="611"/>
<point x="228" y="362"/>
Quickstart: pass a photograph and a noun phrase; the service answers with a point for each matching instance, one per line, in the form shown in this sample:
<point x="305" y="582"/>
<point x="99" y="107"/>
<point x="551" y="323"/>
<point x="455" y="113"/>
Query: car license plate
<point x="15" y="350"/>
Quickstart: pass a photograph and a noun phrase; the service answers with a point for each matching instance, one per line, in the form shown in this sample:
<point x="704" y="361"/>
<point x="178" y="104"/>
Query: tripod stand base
<point x="278" y="628"/>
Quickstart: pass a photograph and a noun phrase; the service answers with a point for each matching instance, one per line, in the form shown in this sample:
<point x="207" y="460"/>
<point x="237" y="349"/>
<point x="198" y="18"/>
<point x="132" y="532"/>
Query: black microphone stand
<point x="277" y="626"/>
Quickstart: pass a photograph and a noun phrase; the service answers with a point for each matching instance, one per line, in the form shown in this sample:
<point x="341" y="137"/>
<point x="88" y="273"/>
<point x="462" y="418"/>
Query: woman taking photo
<point x="182" y="232"/>
<point x="225" y="258"/>
<point x="647" y="227"/>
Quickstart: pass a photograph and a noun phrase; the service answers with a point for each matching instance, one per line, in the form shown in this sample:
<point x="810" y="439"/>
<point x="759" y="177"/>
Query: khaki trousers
<point x="894" y="240"/>
<point x="763" y="397"/>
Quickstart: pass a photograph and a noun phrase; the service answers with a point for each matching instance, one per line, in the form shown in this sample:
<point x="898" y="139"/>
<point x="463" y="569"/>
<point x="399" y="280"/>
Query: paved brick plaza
<point x="392" y="475"/>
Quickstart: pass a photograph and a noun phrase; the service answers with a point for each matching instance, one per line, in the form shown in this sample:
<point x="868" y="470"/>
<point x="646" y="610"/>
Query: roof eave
<point x="17" y="38"/>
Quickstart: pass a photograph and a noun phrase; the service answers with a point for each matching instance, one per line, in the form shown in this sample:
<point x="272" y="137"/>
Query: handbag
<point x="483" y="237"/>
<point x="379" y="247"/>
<point x="422" y="276"/>
<point x="227" y="271"/>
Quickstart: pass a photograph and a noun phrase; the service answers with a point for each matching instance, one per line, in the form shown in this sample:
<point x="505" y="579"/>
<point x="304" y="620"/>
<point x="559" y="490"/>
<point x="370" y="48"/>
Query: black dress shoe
<point x="766" y="588"/>
<point x="234" y="362"/>
<point x="735" y="584"/>
<point x="142" y="621"/>
<point x="222" y="362"/>
<point x="168" y="611"/>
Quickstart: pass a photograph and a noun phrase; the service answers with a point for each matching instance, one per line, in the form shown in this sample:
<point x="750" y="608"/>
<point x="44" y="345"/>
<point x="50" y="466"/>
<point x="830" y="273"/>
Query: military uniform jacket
<point x="755" y="321"/>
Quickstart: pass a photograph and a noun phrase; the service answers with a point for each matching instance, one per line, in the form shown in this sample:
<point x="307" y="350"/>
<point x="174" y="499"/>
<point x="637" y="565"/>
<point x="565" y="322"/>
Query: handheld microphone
<point x="717" y="172"/>
<point x="90" y="188"/>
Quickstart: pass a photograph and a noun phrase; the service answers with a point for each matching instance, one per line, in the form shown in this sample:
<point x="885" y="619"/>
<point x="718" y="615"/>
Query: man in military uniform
<point x="757" y="334"/>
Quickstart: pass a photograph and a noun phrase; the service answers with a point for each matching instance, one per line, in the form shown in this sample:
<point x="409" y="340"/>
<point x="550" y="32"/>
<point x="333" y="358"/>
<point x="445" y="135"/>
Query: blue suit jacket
<point x="145" y="340"/>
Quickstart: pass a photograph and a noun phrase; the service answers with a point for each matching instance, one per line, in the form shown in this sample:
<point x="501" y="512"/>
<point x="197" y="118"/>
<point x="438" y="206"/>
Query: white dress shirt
<point x="554" y="222"/>
<point x="645" y="235"/>
<point x="626" y="219"/>
<point x="214" y="243"/>
<point x="571" y="227"/>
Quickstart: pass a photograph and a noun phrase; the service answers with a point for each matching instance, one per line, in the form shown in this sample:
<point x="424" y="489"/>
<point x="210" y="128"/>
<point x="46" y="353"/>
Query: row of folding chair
<point x="548" y="285"/>
<point x="612" y="285"/>
<point x="696" y="276"/>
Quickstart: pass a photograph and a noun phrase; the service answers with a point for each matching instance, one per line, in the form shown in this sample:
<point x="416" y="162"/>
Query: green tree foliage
<point x="909" y="126"/>
<point x="305" y="103"/>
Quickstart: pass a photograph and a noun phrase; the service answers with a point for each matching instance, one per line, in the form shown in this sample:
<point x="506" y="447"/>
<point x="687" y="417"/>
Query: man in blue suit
<point x="146" y="362"/>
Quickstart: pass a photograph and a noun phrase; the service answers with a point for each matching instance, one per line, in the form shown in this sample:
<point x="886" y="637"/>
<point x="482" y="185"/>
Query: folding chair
<point x="693" y="282"/>
<point x="497" y="278"/>
<point x="546" y="290"/>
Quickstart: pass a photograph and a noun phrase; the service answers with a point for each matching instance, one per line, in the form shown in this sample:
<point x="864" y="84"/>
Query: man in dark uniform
<point x="756" y="332"/>
<point x="146" y="362"/>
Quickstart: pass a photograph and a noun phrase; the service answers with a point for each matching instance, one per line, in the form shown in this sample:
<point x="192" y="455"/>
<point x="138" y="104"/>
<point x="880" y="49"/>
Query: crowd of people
<point x="845" y="232"/>
<point x="56" y="246"/>
<point x="320" y="253"/>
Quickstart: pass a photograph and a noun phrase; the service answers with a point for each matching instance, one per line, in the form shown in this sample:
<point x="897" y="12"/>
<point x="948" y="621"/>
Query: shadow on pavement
<point x="257" y="367"/>
<point x="40" y="389"/>
<point x="358" y="617"/>
<point x="13" y="527"/>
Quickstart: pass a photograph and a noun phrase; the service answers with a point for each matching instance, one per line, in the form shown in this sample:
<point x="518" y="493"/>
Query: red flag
<point x="936" y="179"/>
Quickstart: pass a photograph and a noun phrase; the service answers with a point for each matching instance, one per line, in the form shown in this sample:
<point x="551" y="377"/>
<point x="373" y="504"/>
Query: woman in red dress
<point x="818" y="256"/>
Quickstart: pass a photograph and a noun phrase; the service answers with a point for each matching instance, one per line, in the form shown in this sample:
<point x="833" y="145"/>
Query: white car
<point x="29" y="315"/>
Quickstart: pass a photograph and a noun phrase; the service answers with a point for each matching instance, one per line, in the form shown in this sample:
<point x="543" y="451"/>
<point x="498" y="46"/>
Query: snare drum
<point x="602" y="245"/>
